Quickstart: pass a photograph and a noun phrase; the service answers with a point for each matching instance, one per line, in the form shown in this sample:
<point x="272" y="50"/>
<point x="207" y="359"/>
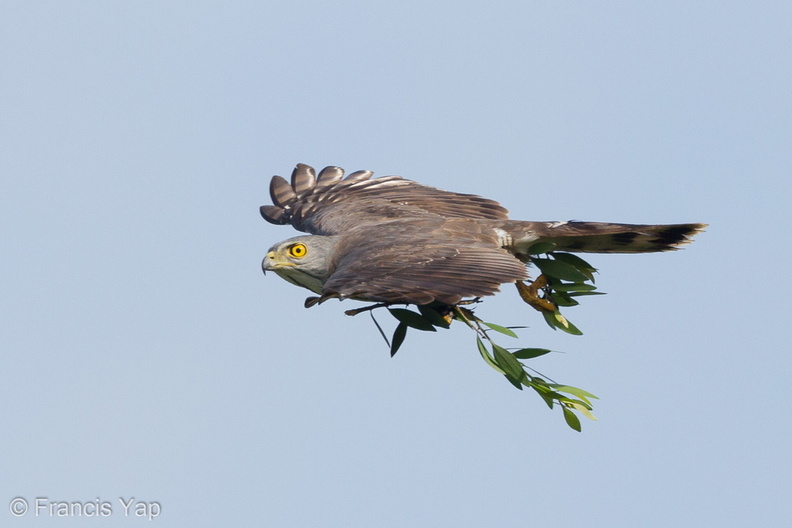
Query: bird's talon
<point x="530" y="294"/>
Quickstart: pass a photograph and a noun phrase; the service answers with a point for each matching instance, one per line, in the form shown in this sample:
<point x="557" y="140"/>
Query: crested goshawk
<point x="392" y="240"/>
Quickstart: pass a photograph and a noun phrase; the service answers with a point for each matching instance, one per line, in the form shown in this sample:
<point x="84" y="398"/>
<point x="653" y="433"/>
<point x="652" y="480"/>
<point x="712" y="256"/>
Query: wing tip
<point x="273" y="214"/>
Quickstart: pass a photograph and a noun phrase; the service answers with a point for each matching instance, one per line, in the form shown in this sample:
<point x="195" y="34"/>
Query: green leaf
<point x="563" y="299"/>
<point x="502" y="329"/>
<point x="412" y="319"/>
<point x="433" y="316"/>
<point x="549" y="318"/>
<point x="560" y="270"/>
<point x="547" y="394"/>
<point x="572" y="400"/>
<point x="486" y="355"/>
<point x="574" y="287"/>
<point x="569" y="328"/>
<point x="556" y="320"/>
<point x="575" y="260"/>
<point x="517" y="385"/>
<point x="573" y="390"/>
<point x="583" y="293"/>
<point x="571" y="419"/>
<point x="512" y="368"/>
<point x="398" y="338"/>
<point x="584" y="411"/>
<point x="530" y="353"/>
<point x="546" y="397"/>
<point x="578" y="263"/>
<point x="541" y="247"/>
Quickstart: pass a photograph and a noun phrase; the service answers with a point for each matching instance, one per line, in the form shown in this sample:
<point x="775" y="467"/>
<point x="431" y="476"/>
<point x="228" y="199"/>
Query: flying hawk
<point x="392" y="240"/>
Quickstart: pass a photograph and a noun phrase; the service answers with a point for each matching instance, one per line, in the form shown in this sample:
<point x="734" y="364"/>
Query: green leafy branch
<point x="564" y="277"/>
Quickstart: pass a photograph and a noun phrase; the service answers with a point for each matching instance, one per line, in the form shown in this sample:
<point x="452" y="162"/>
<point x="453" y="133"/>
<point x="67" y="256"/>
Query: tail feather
<point x="601" y="237"/>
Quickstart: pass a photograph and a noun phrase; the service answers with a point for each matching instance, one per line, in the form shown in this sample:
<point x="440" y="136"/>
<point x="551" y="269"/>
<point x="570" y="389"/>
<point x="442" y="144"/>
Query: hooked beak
<point x="274" y="262"/>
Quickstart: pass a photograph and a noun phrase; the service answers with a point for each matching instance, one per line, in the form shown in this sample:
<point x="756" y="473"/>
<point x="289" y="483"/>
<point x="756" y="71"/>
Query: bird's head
<point x="304" y="260"/>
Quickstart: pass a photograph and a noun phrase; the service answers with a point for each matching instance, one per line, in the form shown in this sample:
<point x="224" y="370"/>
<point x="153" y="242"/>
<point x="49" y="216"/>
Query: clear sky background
<point x="145" y="355"/>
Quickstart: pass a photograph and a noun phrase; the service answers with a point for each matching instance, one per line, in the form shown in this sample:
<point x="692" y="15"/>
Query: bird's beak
<point x="274" y="261"/>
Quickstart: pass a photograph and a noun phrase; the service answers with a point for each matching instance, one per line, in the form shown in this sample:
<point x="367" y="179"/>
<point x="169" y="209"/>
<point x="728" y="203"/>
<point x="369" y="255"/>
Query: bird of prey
<point x="392" y="240"/>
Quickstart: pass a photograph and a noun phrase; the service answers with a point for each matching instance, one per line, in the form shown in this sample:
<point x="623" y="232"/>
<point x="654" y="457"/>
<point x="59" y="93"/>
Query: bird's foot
<point x="530" y="294"/>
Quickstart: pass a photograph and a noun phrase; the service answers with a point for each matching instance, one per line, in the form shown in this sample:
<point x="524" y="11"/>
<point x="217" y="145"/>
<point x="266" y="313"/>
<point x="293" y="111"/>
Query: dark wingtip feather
<point x="303" y="178"/>
<point x="281" y="192"/>
<point x="329" y="175"/>
<point x="272" y="214"/>
<point x="359" y="176"/>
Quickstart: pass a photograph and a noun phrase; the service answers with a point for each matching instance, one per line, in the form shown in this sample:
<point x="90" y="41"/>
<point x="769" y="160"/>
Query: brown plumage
<point x="393" y="240"/>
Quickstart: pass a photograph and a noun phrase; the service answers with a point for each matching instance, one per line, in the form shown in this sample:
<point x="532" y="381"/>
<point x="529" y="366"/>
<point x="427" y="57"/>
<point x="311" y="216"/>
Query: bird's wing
<point x="330" y="204"/>
<point x="420" y="261"/>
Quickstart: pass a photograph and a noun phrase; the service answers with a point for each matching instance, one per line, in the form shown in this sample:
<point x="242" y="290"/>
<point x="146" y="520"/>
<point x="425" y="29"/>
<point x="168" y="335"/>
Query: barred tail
<point x="600" y="237"/>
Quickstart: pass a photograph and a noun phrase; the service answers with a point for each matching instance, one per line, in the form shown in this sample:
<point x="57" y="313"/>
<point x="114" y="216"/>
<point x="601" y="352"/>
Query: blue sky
<point x="145" y="355"/>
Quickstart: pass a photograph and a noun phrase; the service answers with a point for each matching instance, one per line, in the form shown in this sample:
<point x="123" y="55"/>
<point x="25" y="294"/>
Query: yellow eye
<point x="297" y="250"/>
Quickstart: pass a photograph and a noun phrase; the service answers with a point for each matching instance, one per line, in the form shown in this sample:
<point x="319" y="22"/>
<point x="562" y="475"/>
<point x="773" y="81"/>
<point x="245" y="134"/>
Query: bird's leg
<point x="469" y="301"/>
<point x="313" y="301"/>
<point x="530" y="294"/>
<point x="450" y="314"/>
<point x="367" y="308"/>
